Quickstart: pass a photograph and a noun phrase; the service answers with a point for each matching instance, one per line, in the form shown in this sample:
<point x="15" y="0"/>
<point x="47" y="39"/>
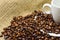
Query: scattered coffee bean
<point x="28" y="27"/>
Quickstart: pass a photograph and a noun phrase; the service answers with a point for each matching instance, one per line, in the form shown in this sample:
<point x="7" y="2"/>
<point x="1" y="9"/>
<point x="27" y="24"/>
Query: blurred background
<point x="12" y="8"/>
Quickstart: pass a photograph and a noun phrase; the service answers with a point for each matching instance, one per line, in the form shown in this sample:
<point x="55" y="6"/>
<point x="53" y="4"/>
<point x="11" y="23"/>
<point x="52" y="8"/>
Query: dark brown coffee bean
<point x="1" y="35"/>
<point x="28" y="27"/>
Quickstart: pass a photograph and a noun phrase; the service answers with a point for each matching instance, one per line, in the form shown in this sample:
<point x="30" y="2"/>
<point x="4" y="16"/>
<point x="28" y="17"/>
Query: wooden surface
<point x="11" y="8"/>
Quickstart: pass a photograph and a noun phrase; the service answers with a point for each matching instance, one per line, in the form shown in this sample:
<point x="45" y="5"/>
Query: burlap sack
<point x="11" y="8"/>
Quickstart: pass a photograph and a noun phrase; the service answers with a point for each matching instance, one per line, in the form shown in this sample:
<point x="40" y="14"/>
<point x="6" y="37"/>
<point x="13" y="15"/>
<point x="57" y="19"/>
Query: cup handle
<point x="48" y="5"/>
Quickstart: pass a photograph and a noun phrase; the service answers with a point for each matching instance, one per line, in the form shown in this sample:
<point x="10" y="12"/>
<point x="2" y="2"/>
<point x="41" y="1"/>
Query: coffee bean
<point x="1" y="35"/>
<point x="28" y="27"/>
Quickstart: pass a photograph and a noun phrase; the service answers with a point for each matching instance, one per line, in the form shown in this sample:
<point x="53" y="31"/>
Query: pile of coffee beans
<point x="28" y="27"/>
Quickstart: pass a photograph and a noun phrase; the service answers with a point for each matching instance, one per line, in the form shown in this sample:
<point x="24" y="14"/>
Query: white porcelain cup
<point x="55" y="9"/>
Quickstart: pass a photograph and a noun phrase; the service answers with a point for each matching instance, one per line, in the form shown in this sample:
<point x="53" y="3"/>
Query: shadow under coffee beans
<point x="28" y="27"/>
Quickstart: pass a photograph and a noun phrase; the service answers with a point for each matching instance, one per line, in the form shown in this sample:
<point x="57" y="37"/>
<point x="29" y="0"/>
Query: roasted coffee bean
<point x="1" y="35"/>
<point x="28" y="27"/>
